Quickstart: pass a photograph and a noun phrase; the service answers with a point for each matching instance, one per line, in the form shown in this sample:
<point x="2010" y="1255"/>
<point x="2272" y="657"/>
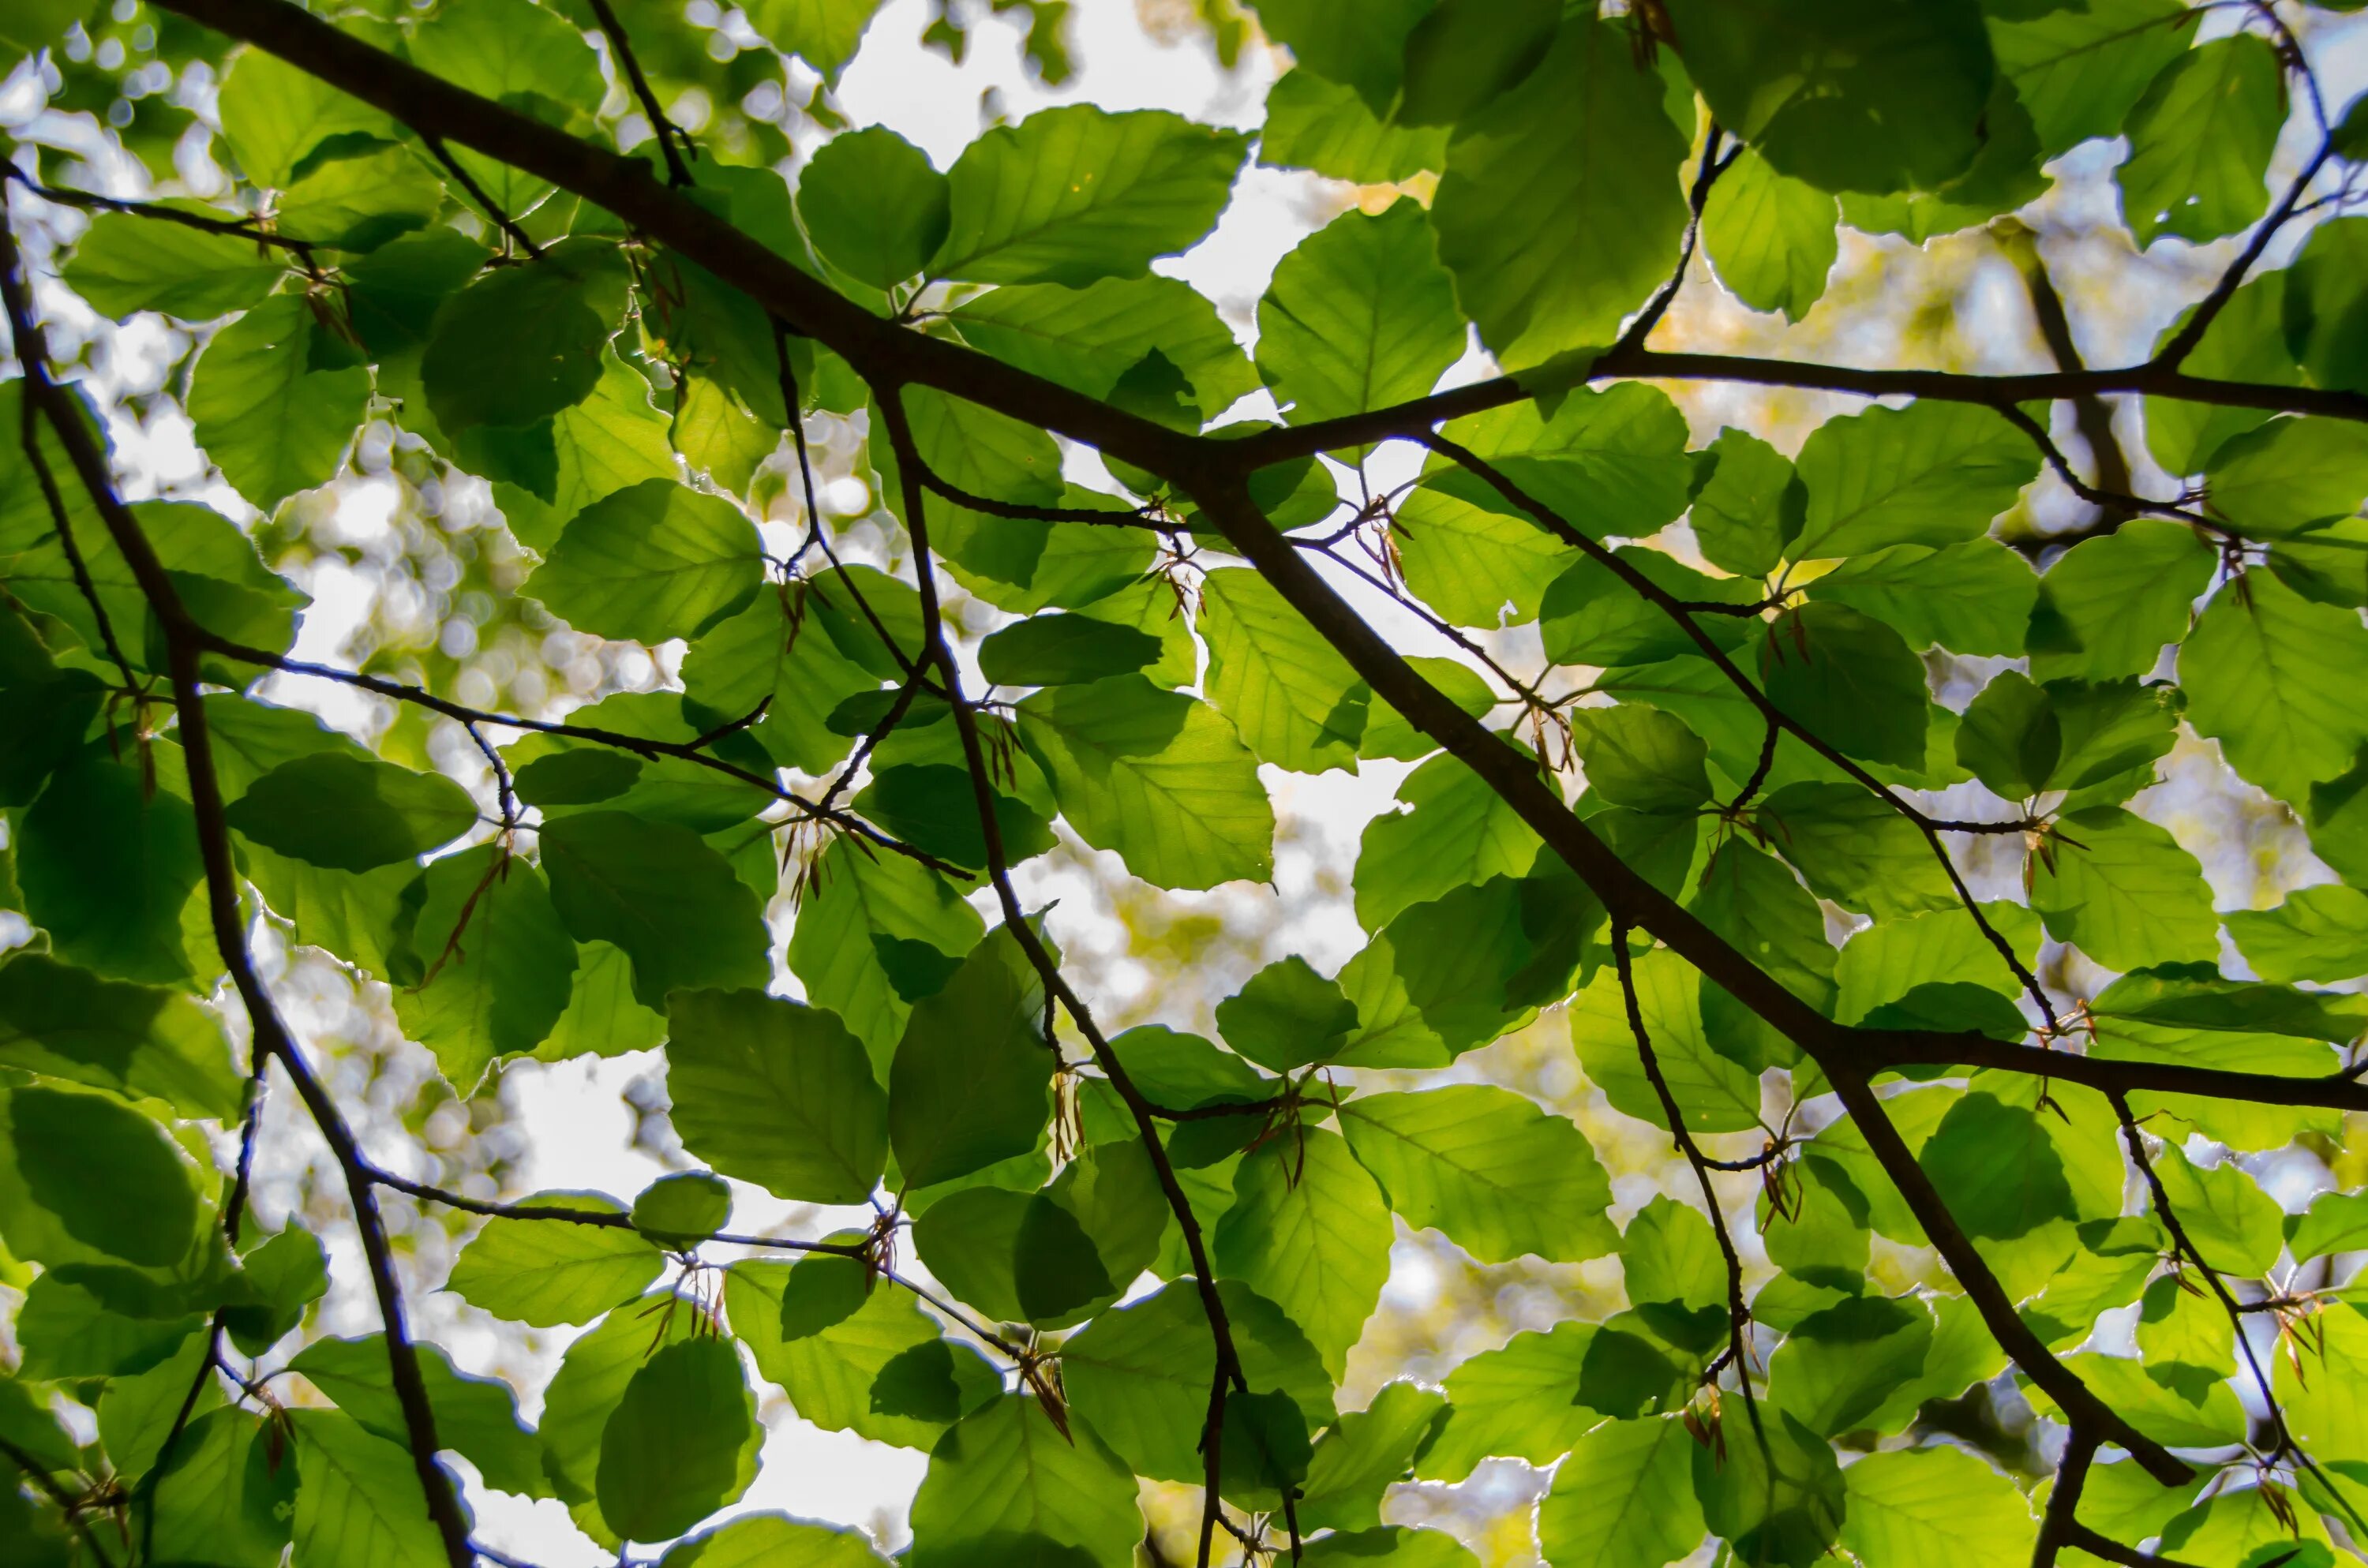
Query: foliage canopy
<point x="1825" y="831"/>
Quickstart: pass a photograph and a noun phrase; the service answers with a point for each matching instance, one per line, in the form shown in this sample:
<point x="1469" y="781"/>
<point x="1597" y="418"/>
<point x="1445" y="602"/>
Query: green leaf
<point x="289" y="1272"/>
<point x="124" y="264"/>
<point x="351" y="814"/>
<point x="1063" y="650"/>
<point x="1932" y="473"/>
<point x="2320" y="308"/>
<point x="106" y="866"/>
<point x="2231" y="1220"/>
<point x="1293" y="699"/>
<point x="592" y="1378"/>
<point x="612" y="439"/>
<point x="1846" y="95"/>
<point x="2313" y="1397"/>
<point x="1310" y="1231"/>
<point x="1466" y="53"/>
<point x="1969" y="598"/>
<point x="1515" y="1402"/>
<point x="1749" y="506"/>
<point x="651" y="561"/>
<point x="1360" y="46"/>
<point x="519" y="343"/>
<point x="1286" y="1016"/>
<point x="1469" y="562"/>
<point x="1774" y="1494"/>
<point x="2080" y="70"/>
<point x="274" y="114"/>
<point x="2204" y="1416"/>
<point x="110" y="1174"/>
<point x="671" y="1453"/>
<point x="1641" y="757"/>
<point x="512" y="53"/>
<point x="830" y="1373"/>
<point x="776" y="1092"/>
<point x="2317" y="933"/>
<point x="1855" y="849"/>
<point x="1716" y="1093"/>
<point x="477" y="1417"/>
<point x="1073" y="194"/>
<point x="1388" y="734"/>
<point x="1624" y="1498"/>
<point x="357" y="1498"/>
<point x="549" y="1272"/>
<point x="770" y="1540"/>
<point x="972" y="1079"/>
<point x="2124" y="892"/>
<point x="1837" y="1366"/>
<point x="2107" y="605"/>
<point x="1559" y="210"/>
<point x="1007" y="1489"/>
<point x="602" y="1017"/>
<point x="1089" y="339"/>
<point x="1359" y="316"/>
<point x="228" y="1495"/>
<point x="1364" y="1453"/>
<point x="1154" y="775"/>
<point x="273" y="422"/>
<point x="1752" y="900"/>
<point x="1499" y="1176"/>
<point x="360" y="202"/>
<point x="1590" y="614"/>
<point x="2200" y="142"/>
<point x="2002" y="1172"/>
<point x="874" y="206"/>
<point x="1316" y="123"/>
<point x="68" y="1023"/>
<point x="2266" y="673"/>
<point x="2246" y="341"/>
<point x="502" y="965"/>
<point x="1611" y="462"/>
<point x="1458" y="833"/>
<point x="1930" y="1505"/>
<point x="663" y="895"/>
<point x="825" y="35"/>
<point x="1851" y="680"/>
<point x="680" y="1209"/>
<point x="2288" y="476"/>
<point x="1772" y="238"/>
<point x="1140" y="1373"/>
<point x="875" y="933"/>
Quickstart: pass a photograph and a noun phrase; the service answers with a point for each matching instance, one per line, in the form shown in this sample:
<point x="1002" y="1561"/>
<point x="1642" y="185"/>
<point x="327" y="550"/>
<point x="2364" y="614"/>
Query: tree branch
<point x="884" y="349"/>
<point x="1662" y="599"/>
<point x="270" y="1034"/>
<point x="1738" y="1314"/>
<point x="1227" y="1371"/>
<point x="666" y="132"/>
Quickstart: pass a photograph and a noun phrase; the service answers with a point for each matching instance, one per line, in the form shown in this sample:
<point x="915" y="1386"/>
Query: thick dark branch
<point x="270" y="1034"/>
<point x="2098" y="1544"/>
<point x="1662" y="599"/>
<point x="1409" y="420"/>
<point x="2064" y="1501"/>
<point x="1630" y="898"/>
<point x="2076" y="1399"/>
<point x="1877" y="1049"/>
<point x="885" y="350"/>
